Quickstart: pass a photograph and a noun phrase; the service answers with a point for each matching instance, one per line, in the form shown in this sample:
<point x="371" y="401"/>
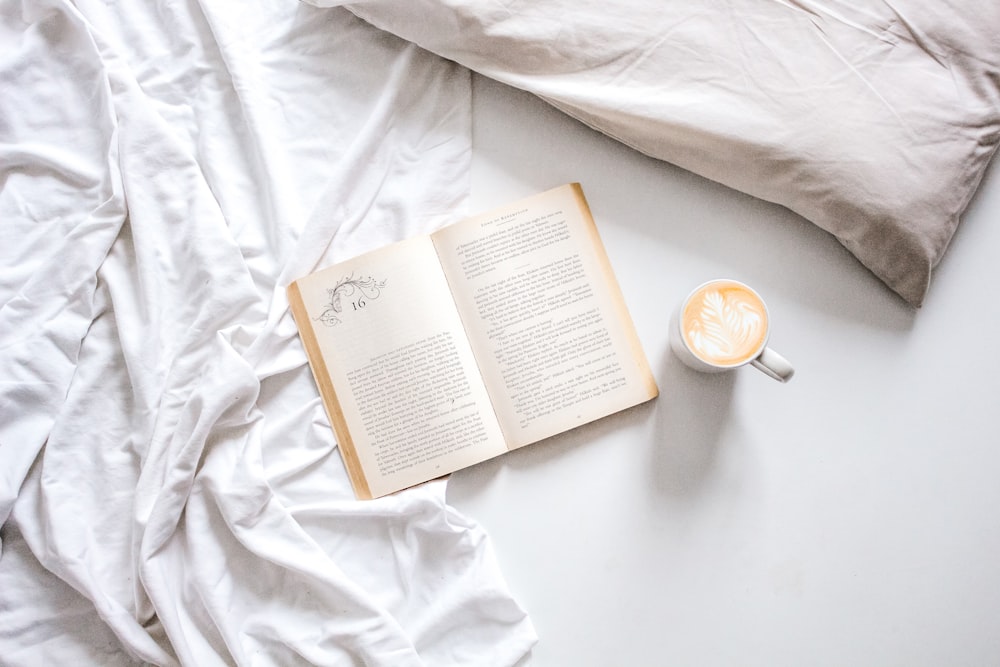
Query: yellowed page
<point x="404" y="395"/>
<point x="544" y="314"/>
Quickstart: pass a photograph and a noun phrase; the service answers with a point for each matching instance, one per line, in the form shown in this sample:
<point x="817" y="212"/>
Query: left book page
<point x="395" y="370"/>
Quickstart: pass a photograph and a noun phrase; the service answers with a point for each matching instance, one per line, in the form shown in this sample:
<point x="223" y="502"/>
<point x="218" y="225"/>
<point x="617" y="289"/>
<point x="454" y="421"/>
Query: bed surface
<point x="848" y="517"/>
<point x="170" y="489"/>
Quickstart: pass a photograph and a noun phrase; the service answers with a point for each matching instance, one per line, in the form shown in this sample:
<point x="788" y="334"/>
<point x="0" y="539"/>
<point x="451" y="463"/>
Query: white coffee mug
<point x="724" y="324"/>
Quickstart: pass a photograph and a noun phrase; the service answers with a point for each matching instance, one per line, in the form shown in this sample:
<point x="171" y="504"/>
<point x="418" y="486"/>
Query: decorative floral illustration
<point x="367" y="289"/>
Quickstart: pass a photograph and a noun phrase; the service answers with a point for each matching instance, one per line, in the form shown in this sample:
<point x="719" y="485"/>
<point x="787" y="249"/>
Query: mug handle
<point x="773" y="365"/>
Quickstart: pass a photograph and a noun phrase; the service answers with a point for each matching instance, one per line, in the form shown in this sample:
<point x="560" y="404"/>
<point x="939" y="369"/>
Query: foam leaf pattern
<point x="728" y="327"/>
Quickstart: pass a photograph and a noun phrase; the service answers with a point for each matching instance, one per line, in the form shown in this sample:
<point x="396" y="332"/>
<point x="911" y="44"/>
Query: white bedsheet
<point x="170" y="490"/>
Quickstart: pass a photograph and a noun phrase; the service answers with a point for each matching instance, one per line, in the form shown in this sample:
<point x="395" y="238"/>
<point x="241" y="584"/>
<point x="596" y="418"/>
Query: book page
<point x="545" y="316"/>
<point x="408" y="390"/>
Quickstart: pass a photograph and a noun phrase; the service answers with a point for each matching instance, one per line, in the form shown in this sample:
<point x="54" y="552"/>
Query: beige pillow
<point x="875" y="120"/>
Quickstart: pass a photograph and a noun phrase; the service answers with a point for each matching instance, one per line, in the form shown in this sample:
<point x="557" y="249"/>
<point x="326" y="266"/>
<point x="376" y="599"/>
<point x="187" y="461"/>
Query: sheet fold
<point x="166" y="462"/>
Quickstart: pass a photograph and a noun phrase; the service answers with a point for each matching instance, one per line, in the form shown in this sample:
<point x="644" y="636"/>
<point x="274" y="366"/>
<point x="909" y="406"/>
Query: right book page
<point x="544" y="314"/>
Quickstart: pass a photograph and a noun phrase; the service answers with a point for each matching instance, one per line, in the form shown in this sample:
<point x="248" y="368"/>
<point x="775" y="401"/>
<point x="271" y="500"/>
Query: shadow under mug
<point x="724" y="324"/>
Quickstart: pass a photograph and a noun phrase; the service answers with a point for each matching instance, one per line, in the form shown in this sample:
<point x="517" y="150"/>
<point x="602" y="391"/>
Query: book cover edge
<point x="625" y="317"/>
<point x="317" y="365"/>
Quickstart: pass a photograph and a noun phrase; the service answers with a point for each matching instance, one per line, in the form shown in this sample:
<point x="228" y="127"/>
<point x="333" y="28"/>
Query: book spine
<point x="330" y="401"/>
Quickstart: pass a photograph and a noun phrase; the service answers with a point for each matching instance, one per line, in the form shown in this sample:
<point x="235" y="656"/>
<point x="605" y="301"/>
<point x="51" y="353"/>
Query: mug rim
<point x="757" y="351"/>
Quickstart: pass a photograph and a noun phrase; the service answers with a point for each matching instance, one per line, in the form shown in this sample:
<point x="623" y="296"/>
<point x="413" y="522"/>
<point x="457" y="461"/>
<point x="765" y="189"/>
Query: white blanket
<point x="170" y="489"/>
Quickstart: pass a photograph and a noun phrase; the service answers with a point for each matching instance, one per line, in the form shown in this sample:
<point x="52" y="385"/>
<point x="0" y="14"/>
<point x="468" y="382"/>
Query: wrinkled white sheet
<point x="170" y="490"/>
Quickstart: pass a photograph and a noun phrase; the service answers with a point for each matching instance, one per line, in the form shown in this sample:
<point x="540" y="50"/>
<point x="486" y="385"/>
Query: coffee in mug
<point x="724" y="324"/>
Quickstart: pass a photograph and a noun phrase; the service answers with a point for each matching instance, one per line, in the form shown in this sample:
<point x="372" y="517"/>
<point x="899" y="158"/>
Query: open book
<point x="442" y="351"/>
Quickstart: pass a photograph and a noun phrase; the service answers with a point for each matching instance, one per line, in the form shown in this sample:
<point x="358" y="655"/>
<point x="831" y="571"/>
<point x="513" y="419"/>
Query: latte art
<point x="725" y="323"/>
